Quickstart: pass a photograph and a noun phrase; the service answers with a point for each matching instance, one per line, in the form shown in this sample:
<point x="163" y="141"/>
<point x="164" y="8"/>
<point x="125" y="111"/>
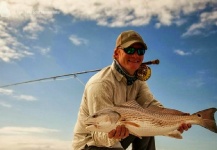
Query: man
<point x="115" y="85"/>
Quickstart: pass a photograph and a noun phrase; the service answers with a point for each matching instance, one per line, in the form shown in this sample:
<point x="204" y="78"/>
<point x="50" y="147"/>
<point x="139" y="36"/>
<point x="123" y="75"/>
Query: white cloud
<point x="207" y="21"/>
<point x="3" y="104"/>
<point x="11" y="48"/>
<point x="26" y="97"/>
<point x="113" y="13"/>
<point x="31" y="138"/>
<point x="201" y="78"/>
<point x="25" y="130"/>
<point x="182" y="53"/>
<point x="77" y="40"/>
<point x="27" y="142"/>
<point x="28" y="18"/>
<point x="7" y="54"/>
<point x="6" y="91"/>
<point x="21" y="19"/>
<point x="42" y="50"/>
<point x="17" y="96"/>
<point x="33" y="28"/>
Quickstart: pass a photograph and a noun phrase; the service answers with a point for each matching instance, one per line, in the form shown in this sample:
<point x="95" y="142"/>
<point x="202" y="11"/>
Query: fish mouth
<point x="91" y="124"/>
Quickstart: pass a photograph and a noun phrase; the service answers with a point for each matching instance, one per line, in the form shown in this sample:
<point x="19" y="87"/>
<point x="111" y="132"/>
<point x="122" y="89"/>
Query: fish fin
<point x="166" y="111"/>
<point x="175" y="134"/>
<point x="132" y="104"/>
<point x="153" y="108"/>
<point x="131" y="123"/>
<point x="135" y="135"/>
<point x="207" y="119"/>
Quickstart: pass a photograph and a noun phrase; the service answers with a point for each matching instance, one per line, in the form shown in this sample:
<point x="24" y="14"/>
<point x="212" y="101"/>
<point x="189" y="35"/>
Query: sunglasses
<point x="131" y="50"/>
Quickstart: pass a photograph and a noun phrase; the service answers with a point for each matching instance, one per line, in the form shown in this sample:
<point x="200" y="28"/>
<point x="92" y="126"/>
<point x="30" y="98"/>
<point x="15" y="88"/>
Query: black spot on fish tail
<point x="208" y="119"/>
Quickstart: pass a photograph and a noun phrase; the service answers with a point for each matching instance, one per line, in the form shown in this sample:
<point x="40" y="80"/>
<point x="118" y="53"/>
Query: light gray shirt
<point x="105" y="89"/>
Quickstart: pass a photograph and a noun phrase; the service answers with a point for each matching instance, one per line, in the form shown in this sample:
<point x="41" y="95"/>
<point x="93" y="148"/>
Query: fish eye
<point x="95" y="115"/>
<point x="199" y="115"/>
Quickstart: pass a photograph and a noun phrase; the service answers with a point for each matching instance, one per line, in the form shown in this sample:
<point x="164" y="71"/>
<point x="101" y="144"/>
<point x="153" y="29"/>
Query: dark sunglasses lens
<point x="140" y="51"/>
<point x="129" y="50"/>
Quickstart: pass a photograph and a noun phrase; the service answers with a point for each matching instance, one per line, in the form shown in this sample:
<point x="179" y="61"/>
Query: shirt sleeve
<point x="100" y="95"/>
<point x="145" y="97"/>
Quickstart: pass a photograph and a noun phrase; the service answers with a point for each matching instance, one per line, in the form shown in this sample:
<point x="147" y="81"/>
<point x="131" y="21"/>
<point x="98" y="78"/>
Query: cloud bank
<point x="31" y="138"/>
<point x="29" y="18"/>
<point x="12" y="94"/>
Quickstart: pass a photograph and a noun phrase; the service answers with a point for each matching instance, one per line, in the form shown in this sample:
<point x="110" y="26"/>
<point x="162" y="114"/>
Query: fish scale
<point x="149" y="121"/>
<point x="144" y="115"/>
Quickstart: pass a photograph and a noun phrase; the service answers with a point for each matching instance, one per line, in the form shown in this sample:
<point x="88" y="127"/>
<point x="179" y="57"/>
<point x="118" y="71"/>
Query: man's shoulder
<point x="101" y="76"/>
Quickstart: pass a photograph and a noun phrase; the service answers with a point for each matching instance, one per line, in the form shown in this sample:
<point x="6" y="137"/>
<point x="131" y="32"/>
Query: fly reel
<point x="144" y="71"/>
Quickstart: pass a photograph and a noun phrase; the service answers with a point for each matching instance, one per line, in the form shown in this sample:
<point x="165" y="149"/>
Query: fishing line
<point x="73" y="77"/>
<point x="79" y="80"/>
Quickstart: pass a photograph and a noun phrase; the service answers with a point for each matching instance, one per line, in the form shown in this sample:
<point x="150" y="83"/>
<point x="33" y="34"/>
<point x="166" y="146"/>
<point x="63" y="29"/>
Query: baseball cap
<point x="127" y="38"/>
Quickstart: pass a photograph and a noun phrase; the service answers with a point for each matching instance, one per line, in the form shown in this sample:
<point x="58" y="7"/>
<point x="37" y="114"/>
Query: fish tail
<point x="207" y="119"/>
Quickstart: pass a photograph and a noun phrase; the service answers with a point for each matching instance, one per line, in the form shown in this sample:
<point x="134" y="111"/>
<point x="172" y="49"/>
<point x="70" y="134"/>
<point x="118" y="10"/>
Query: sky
<point x="40" y="39"/>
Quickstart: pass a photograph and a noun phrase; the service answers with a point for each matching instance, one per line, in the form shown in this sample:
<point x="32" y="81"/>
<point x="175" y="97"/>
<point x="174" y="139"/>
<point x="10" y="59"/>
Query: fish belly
<point x="149" y="129"/>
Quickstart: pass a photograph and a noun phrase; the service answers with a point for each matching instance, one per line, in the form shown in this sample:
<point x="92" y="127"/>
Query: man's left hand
<point x="184" y="127"/>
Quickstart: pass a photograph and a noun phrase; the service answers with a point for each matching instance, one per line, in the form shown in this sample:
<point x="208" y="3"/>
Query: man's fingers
<point x="124" y="132"/>
<point x="189" y="126"/>
<point x="120" y="132"/>
<point x="186" y="126"/>
<point x="183" y="127"/>
<point x="111" y="133"/>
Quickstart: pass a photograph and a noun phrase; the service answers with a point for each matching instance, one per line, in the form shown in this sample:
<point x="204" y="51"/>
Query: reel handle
<point x="155" y="62"/>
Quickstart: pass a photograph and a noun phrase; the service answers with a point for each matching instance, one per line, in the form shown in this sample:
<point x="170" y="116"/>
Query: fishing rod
<point x="142" y="71"/>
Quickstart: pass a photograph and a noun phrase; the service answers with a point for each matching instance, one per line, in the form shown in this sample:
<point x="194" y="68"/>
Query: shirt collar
<point x="121" y="73"/>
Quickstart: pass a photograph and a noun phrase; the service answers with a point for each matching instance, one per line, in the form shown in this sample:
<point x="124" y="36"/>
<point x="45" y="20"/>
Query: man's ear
<point x="116" y="53"/>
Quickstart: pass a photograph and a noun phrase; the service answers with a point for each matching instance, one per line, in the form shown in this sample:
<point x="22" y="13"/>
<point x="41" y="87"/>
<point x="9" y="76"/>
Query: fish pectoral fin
<point x="131" y="123"/>
<point x="174" y="134"/>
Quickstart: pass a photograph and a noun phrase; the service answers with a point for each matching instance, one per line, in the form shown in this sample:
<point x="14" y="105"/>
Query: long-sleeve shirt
<point x="105" y="89"/>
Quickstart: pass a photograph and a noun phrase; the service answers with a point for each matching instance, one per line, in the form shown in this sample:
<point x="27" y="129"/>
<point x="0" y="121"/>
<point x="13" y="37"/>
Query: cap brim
<point x="127" y="44"/>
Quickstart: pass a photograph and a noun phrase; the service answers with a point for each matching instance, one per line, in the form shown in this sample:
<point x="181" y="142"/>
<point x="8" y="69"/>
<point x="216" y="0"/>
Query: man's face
<point x="129" y="62"/>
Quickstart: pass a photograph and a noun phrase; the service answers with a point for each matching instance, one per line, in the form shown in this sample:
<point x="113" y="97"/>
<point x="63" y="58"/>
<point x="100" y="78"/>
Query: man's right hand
<point x="120" y="132"/>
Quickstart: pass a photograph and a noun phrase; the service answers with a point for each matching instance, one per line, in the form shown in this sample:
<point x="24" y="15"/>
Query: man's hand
<point x="184" y="127"/>
<point x="120" y="132"/>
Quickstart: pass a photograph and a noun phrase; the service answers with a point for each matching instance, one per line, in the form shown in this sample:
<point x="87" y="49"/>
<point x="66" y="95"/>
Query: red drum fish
<point x="149" y="121"/>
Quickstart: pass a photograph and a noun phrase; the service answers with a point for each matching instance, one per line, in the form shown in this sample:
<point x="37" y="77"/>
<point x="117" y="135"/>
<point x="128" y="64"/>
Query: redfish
<point x="149" y="121"/>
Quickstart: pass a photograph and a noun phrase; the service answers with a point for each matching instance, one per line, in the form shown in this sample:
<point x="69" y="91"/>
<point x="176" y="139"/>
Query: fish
<point x="150" y="121"/>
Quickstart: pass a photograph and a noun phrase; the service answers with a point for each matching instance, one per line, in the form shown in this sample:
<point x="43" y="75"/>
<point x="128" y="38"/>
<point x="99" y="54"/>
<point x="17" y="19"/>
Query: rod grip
<point x="156" y="62"/>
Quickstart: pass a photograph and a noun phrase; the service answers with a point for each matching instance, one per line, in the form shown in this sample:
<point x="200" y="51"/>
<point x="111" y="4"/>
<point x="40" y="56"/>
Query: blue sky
<point x="47" y="38"/>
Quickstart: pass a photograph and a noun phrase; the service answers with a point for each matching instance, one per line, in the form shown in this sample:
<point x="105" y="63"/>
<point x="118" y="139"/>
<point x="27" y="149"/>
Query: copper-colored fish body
<point x="151" y="121"/>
